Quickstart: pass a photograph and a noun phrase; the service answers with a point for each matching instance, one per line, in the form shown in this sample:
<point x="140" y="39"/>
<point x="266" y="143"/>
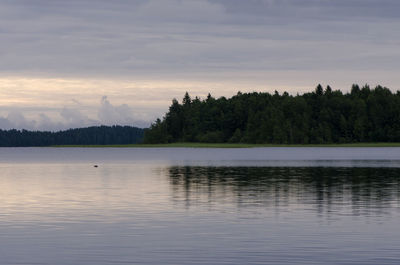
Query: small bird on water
<point x="96" y="166"/>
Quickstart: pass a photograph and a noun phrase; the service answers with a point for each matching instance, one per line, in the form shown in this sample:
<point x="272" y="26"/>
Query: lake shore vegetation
<point x="324" y="116"/>
<point x="96" y="135"/>
<point x="228" y="145"/>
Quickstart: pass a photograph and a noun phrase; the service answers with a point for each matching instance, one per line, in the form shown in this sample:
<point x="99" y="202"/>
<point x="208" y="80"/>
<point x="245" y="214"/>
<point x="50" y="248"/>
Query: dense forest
<point x="97" y="135"/>
<point x="321" y="116"/>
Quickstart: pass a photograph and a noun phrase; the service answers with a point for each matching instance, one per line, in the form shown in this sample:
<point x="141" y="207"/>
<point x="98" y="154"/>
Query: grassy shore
<point x="234" y="145"/>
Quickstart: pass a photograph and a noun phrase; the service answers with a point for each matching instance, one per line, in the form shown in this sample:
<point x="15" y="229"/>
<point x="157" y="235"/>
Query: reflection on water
<point x="133" y="213"/>
<point x="328" y="190"/>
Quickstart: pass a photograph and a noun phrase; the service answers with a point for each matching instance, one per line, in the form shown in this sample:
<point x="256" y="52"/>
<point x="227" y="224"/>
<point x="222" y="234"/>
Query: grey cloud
<point x="143" y="39"/>
<point x="201" y="40"/>
<point x="45" y="123"/>
<point x="72" y="117"/>
<point x="19" y="121"/>
<point x="6" y="124"/>
<point x="111" y="115"/>
<point x="204" y="12"/>
<point x="294" y="10"/>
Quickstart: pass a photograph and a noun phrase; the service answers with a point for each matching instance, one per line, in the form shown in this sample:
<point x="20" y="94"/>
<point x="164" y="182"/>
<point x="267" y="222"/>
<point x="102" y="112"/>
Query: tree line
<point x="96" y="135"/>
<point x="323" y="116"/>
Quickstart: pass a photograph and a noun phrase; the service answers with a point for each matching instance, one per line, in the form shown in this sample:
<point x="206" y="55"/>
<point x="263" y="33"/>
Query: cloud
<point x="297" y="10"/>
<point x="181" y="11"/>
<point x="5" y="124"/>
<point x="72" y="117"/>
<point x="149" y="51"/>
<point x="19" y="121"/>
<point x="112" y="115"/>
<point x="174" y="38"/>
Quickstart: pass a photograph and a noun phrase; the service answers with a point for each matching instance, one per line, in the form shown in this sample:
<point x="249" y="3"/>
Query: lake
<point x="199" y="206"/>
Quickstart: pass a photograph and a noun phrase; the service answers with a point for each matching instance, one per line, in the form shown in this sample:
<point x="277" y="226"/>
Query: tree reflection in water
<point x="355" y="191"/>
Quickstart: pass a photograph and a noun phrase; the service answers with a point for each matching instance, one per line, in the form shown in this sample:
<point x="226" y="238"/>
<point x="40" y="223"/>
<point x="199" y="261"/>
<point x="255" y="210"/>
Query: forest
<point x="96" y="135"/>
<point x="322" y="116"/>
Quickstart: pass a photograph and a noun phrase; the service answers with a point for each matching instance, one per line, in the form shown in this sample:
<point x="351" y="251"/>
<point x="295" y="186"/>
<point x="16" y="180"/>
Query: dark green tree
<point x="322" y="116"/>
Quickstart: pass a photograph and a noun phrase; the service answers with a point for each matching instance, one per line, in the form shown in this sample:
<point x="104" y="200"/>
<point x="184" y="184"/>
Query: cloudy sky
<point x="86" y="62"/>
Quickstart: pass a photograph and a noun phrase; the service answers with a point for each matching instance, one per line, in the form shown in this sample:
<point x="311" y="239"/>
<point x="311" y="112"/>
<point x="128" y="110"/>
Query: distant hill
<point x="96" y="135"/>
<point x="318" y="117"/>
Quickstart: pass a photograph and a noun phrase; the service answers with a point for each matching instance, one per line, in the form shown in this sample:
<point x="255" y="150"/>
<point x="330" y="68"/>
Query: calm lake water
<point x="200" y="206"/>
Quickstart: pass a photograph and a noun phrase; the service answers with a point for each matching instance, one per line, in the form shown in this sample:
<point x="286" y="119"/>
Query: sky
<point x="78" y="63"/>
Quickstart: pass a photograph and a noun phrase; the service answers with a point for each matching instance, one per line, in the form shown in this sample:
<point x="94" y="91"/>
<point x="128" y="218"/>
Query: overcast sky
<point x="86" y="62"/>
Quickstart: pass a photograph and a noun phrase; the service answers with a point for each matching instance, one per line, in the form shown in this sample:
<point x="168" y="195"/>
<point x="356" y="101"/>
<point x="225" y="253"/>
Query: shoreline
<point x="226" y="145"/>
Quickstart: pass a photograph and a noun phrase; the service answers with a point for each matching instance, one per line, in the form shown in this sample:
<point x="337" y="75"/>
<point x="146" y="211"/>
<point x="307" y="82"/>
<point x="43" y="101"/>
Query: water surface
<point x="268" y="156"/>
<point x="200" y="206"/>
